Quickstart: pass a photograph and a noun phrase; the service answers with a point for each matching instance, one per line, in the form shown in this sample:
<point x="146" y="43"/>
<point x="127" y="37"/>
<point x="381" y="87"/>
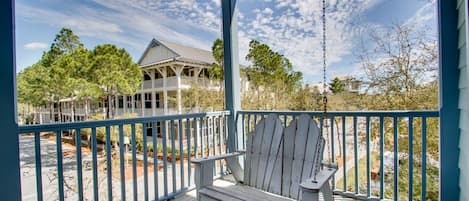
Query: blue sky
<point x="291" y="27"/>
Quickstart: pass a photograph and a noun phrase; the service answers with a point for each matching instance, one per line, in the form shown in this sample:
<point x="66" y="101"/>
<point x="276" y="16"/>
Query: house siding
<point x="463" y="99"/>
<point x="157" y="53"/>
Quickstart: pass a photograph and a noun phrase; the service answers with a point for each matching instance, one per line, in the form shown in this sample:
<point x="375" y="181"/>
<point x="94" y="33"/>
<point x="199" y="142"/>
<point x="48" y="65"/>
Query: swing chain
<point x="324" y="93"/>
<point x="324" y="99"/>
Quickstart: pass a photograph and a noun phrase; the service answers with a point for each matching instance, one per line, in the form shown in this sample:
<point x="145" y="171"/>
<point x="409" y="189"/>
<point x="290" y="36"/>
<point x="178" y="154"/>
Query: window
<point x="185" y="72"/>
<point x="121" y="101"/>
<point x="129" y="101"/>
<point x="146" y="77"/>
<point x="158" y="75"/>
<point x="157" y="99"/>
<point x="138" y="102"/>
<point x="148" y="100"/>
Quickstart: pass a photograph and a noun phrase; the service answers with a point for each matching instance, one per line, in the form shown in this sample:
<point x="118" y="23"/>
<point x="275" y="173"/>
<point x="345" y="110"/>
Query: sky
<point x="290" y="27"/>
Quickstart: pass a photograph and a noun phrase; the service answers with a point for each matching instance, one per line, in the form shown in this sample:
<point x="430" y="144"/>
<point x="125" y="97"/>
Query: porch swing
<point x="280" y="163"/>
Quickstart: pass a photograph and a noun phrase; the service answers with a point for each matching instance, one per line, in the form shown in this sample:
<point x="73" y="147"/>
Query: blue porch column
<point x="449" y="96"/>
<point x="10" y="188"/>
<point x="231" y="65"/>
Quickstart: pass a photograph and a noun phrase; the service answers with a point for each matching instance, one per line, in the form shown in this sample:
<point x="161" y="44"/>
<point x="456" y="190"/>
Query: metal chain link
<point x="324" y="57"/>
<point x="324" y="93"/>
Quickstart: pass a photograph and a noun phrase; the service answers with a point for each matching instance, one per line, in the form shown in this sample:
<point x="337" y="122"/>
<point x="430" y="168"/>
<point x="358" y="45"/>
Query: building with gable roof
<point x="168" y="69"/>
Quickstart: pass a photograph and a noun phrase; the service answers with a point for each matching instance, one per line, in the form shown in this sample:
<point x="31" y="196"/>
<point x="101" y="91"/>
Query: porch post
<point x="232" y="79"/>
<point x="9" y="170"/>
<point x="165" y="89"/>
<point x="449" y="96"/>
<point x="178" y="70"/>
<point x="153" y="92"/>
<point x="142" y="102"/>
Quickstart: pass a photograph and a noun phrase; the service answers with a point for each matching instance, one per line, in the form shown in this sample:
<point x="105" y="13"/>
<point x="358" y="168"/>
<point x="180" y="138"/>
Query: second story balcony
<point x="186" y="83"/>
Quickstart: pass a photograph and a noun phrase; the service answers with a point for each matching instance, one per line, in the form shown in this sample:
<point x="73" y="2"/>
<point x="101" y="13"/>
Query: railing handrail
<point x="112" y="122"/>
<point x="375" y="113"/>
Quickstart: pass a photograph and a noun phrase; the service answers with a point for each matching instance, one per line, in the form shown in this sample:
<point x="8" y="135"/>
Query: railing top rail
<point x="113" y="122"/>
<point x="377" y="113"/>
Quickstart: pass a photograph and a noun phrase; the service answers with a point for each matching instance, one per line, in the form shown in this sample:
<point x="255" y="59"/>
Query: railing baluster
<point x="220" y="131"/>
<point x="249" y="124"/>
<point x="154" y="135"/>
<point x="201" y="132"/>
<point x="94" y="152"/>
<point x="396" y="159"/>
<point x="355" y="152"/>
<point x="368" y="172"/>
<point x="165" y="160"/>
<point x="181" y="152"/>
<point x="214" y="136"/>
<point x="214" y="141"/>
<point x="37" y="146"/>
<point x="122" y="161"/>
<point x="411" y="154"/>
<point x="205" y="134"/>
<point x="344" y="154"/>
<point x="195" y="134"/>
<point x="188" y="138"/>
<point x="134" y="162"/>
<point x="244" y="130"/>
<point x="79" y="164"/>
<point x="173" y="156"/>
<point x="108" y="162"/>
<point x="225" y="134"/>
<point x="60" y="171"/>
<point x="332" y="149"/>
<point x="237" y="133"/>
<point x="424" y="158"/>
<point x="381" y="157"/>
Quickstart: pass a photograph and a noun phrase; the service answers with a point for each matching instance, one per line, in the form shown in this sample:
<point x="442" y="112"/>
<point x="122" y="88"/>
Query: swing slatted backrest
<point x="278" y="160"/>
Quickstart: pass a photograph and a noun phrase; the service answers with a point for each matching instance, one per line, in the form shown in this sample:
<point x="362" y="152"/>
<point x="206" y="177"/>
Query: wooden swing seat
<point x="279" y="164"/>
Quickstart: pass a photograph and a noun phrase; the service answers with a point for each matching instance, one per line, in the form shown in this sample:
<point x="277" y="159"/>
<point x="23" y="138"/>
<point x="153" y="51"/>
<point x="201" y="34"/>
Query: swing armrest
<point x="329" y="165"/>
<point x="218" y="157"/>
<point x="204" y="168"/>
<point x="315" y="184"/>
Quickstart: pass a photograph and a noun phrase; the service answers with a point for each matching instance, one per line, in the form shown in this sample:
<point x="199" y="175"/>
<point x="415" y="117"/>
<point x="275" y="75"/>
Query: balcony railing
<point x="371" y="149"/>
<point x="53" y="167"/>
<point x="367" y="145"/>
<point x="186" y="82"/>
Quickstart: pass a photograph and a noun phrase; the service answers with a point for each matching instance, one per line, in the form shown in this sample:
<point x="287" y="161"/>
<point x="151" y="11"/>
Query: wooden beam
<point x="9" y="170"/>
<point x="449" y="96"/>
<point x="231" y="65"/>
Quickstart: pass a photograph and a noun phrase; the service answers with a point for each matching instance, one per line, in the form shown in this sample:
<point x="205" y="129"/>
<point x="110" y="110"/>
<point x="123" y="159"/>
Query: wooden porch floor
<point x="228" y="182"/>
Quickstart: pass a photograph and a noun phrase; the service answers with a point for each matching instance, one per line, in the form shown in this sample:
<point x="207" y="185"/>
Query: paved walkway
<point x="50" y="178"/>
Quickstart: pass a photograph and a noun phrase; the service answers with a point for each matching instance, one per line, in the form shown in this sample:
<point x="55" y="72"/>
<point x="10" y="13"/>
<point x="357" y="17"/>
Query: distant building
<point x="351" y="84"/>
<point x="168" y="68"/>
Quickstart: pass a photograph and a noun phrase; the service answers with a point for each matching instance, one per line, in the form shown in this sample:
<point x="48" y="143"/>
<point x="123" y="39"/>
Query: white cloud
<point x="296" y="30"/>
<point x="180" y="21"/>
<point x="135" y="22"/>
<point x="291" y="27"/>
<point x="35" y="46"/>
<point x="424" y="16"/>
